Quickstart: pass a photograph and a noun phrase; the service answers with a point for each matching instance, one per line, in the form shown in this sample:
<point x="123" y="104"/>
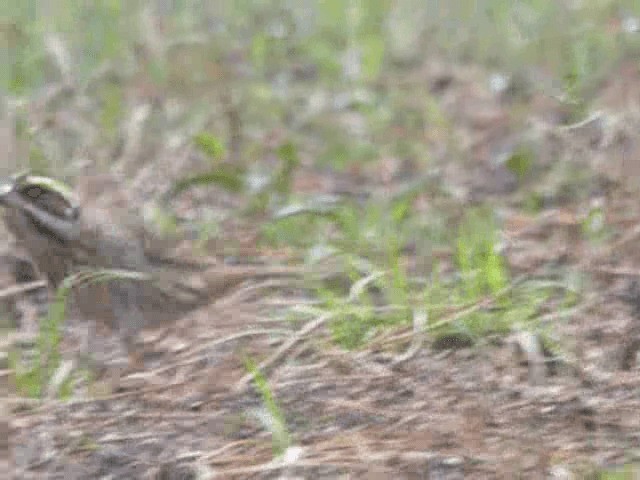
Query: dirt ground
<point x="401" y="407"/>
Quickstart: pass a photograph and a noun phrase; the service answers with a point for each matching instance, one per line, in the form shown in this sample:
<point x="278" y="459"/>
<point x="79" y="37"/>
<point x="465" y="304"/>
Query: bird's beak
<point x="5" y="188"/>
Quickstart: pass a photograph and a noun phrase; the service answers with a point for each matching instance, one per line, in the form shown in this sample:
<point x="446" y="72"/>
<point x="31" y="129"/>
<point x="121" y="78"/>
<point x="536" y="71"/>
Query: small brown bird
<point x="67" y="234"/>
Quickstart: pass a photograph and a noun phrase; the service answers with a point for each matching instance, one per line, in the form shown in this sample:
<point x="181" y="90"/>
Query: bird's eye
<point x="34" y="192"/>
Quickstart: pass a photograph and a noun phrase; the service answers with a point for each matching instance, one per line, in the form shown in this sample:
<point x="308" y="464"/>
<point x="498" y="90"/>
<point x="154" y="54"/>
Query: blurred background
<point x="324" y="94"/>
<point x="349" y="82"/>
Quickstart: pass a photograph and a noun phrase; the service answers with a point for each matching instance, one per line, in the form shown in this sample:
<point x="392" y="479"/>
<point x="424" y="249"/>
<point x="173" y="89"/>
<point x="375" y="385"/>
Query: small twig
<point x="277" y="466"/>
<point x="22" y="288"/>
<point x="278" y="354"/>
<point x="361" y="407"/>
<point x="198" y="355"/>
<point x="290" y="302"/>
<point x="127" y="438"/>
<point x="350" y="379"/>
<point x="58" y="51"/>
<point x="358" y="287"/>
<point x="448" y="319"/>
<point x="215" y="453"/>
<point x="419" y="322"/>
<point x="241" y="294"/>
<point x="622" y="272"/>
<point x="474" y="307"/>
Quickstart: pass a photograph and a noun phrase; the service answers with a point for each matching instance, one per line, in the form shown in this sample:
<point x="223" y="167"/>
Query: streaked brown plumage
<point x="98" y="230"/>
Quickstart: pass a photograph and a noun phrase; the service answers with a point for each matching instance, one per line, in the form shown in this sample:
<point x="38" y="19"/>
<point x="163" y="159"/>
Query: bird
<point x="72" y="236"/>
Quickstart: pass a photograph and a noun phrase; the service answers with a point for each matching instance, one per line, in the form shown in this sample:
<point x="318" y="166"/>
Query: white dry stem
<point x="133" y="141"/>
<point x="419" y="324"/>
<point x="56" y="48"/>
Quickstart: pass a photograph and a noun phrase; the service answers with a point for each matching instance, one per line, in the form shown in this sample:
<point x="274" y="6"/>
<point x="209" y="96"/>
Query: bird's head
<point x="49" y="203"/>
